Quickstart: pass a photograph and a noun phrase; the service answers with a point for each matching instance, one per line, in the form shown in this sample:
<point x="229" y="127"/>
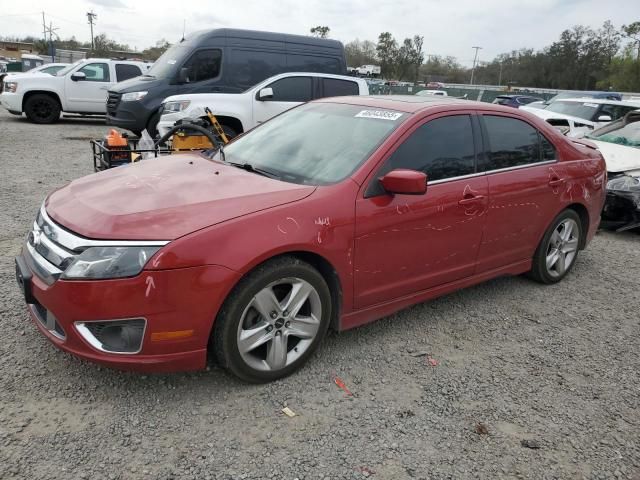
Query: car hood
<point x="137" y="83"/>
<point x="619" y="158"/>
<point x="165" y="198"/>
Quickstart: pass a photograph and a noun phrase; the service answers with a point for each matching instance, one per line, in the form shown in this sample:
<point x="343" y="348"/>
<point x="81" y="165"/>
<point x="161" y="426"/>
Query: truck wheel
<point x="42" y="108"/>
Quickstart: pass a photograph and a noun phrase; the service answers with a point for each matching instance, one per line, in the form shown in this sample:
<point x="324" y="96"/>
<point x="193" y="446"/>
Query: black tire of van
<point x="42" y="108"/>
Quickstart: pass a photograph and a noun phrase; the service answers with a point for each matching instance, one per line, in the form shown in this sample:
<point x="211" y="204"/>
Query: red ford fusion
<point x="331" y="215"/>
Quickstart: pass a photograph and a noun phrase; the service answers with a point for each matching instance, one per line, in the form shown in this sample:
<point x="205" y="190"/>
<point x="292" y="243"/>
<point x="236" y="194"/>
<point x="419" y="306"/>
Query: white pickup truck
<point x="239" y="112"/>
<point x="78" y="88"/>
<point x="369" y="70"/>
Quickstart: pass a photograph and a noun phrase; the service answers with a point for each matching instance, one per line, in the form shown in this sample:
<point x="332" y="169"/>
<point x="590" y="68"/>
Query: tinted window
<point x="204" y="65"/>
<point x="548" y="150"/>
<point x="125" y="71"/>
<point x="442" y="148"/>
<point x="512" y="142"/>
<point x="308" y="63"/>
<point x="96" y="72"/>
<point x="249" y="67"/>
<point x="615" y="111"/>
<point x="336" y="88"/>
<point x="291" y="89"/>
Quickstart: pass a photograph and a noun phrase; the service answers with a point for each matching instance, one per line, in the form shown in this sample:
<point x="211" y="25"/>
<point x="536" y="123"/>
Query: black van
<point x="222" y="60"/>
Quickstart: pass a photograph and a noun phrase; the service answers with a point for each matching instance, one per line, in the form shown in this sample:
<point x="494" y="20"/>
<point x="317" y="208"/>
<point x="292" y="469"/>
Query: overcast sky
<point x="448" y="27"/>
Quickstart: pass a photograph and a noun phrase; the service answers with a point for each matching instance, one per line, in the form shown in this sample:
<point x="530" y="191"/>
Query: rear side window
<point x="291" y="89"/>
<point x="125" y="71"/>
<point x="442" y="148"/>
<point x="96" y="72"/>
<point x="247" y="68"/>
<point x="512" y="143"/>
<point x="204" y="65"/>
<point x="337" y="88"/>
<point x="309" y="63"/>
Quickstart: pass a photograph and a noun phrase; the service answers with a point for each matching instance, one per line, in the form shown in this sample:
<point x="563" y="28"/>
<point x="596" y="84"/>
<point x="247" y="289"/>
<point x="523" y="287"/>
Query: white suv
<point x="239" y="112"/>
<point x="78" y="88"/>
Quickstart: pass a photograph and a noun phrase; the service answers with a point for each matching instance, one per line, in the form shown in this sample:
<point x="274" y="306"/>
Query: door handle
<point x="471" y="200"/>
<point x="104" y="88"/>
<point x="556" y="181"/>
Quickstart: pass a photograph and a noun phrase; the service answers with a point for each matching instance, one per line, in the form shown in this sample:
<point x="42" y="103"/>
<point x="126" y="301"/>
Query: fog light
<point x="114" y="336"/>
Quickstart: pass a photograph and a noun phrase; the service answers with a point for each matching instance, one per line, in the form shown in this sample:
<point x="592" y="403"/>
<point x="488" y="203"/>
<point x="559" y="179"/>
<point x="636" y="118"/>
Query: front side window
<point x="512" y="143"/>
<point x="204" y="65"/>
<point x="96" y="72"/>
<point x="333" y="87"/>
<point x="442" y="148"/>
<point x="125" y="71"/>
<point x="291" y="89"/>
<point x="316" y="143"/>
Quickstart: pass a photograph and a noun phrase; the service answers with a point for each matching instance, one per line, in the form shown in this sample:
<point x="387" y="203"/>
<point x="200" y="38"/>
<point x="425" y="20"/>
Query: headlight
<point x="133" y="96"/>
<point x="10" y="87"/>
<point x="624" y="183"/>
<point x="173" y="107"/>
<point x="109" y="262"/>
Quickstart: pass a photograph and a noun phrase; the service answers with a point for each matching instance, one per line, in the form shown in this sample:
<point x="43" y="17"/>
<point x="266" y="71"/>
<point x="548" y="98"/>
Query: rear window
<point x="335" y="88"/>
<point x="512" y="143"/>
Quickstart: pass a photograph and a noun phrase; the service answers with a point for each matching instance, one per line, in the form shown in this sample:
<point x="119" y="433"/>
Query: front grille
<point x="113" y="100"/>
<point x="44" y="239"/>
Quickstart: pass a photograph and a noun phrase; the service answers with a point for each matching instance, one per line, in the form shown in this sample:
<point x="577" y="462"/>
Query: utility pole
<point x="44" y="29"/>
<point x="500" y="76"/>
<point x="51" y="31"/>
<point x="91" y="16"/>
<point x="475" y="59"/>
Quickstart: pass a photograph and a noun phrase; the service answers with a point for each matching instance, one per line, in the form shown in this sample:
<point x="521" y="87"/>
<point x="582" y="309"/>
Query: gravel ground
<point x="531" y="381"/>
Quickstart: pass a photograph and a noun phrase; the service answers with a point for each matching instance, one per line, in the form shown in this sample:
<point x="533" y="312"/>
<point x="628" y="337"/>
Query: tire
<point x="152" y="124"/>
<point x="280" y="341"/>
<point x="558" y="250"/>
<point x="42" y="108"/>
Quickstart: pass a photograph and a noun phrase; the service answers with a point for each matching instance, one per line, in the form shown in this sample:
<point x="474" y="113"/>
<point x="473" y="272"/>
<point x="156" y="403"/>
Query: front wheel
<point x="42" y="108"/>
<point x="558" y="250"/>
<point x="273" y="320"/>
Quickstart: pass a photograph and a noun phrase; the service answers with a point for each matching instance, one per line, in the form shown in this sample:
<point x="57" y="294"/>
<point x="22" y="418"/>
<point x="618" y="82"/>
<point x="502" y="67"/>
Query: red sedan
<point x="331" y="215"/>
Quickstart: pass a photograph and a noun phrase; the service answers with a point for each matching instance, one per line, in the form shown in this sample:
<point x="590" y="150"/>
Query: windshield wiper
<point x="250" y="168"/>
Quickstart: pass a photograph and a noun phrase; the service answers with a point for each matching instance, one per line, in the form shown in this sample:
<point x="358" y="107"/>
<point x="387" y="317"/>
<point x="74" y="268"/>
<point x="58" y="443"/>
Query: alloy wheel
<point x="562" y="247"/>
<point x="279" y="324"/>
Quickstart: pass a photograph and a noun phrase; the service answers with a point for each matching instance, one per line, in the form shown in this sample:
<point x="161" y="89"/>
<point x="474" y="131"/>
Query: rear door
<point x="89" y="95"/>
<point x="525" y="186"/>
<point x="288" y="92"/>
<point x="409" y="243"/>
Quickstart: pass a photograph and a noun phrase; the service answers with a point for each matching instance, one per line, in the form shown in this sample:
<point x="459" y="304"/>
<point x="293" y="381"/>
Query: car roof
<point x="600" y="101"/>
<point x="409" y="103"/>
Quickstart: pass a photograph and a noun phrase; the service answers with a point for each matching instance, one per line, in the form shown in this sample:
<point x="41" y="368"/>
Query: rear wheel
<point x="42" y="108"/>
<point x="273" y="321"/>
<point x="558" y="250"/>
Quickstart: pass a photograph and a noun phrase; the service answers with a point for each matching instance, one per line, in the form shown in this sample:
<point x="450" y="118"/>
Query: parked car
<point x="218" y="61"/>
<point x="582" y="115"/>
<point x="437" y="93"/>
<point x="77" y="88"/>
<point x="239" y="112"/>
<point x="333" y="214"/>
<point x="435" y="85"/>
<point x="49" y="68"/>
<point x="577" y="94"/>
<point x="515" y="101"/>
<point x="619" y="143"/>
<point x="369" y="70"/>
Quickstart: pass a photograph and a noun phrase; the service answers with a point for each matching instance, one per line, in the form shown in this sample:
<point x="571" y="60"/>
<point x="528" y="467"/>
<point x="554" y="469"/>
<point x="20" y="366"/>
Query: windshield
<point x="166" y="65"/>
<point x="67" y="69"/>
<point x="316" y="143"/>
<point x="629" y="135"/>
<point x="584" y="110"/>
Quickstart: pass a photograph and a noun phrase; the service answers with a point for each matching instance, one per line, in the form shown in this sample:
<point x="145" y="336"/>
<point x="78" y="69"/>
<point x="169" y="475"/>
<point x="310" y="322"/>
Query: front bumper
<point x="132" y="116"/>
<point x="180" y="300"/>
<point x="11" y="101"/>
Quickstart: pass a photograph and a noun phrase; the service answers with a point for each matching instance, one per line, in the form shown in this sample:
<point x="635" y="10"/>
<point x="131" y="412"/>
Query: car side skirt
<point x="374" y="312"/>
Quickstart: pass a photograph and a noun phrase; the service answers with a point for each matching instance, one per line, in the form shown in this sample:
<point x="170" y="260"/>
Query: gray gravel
<point x="531" y="381"/>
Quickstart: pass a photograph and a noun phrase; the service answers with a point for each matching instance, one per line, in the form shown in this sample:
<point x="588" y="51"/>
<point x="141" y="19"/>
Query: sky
<point x="449" y="27"/>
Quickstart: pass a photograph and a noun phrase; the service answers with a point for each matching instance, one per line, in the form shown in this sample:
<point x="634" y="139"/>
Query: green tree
<point x="387" y="50"/>
<point x="320" y="31"/>
<point x="359" y="53"/>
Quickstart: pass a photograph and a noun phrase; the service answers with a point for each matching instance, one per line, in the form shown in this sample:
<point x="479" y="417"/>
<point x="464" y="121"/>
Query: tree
<point x="387" y="50"/>
<point x="153" y="53"/>
<point x="320" y="31"/>
<point x="360" y="53"/>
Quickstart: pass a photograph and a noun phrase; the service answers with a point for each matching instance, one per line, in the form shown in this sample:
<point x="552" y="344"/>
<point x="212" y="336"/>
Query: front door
<point x="288" y="92"/>
<point x="405" y="243"/>
<point x="89" y="94"/>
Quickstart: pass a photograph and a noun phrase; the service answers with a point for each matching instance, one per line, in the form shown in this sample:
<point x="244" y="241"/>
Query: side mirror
<point x="78" y="76"/>
<point x="183" y="75"/>
<point x="265" y="94"/>
<point x="604" y="118"/>
<point x="405" y="182"/>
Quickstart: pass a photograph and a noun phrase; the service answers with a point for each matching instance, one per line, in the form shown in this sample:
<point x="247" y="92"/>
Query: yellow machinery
<point x="189" y="139"/>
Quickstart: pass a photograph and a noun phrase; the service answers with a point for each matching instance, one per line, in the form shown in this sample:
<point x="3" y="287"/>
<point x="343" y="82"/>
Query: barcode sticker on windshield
<point x="379" y="114"/>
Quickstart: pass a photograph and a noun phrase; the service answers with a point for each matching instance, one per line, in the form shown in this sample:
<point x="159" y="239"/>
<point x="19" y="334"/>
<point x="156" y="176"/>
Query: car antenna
<point x="184" y="26"/>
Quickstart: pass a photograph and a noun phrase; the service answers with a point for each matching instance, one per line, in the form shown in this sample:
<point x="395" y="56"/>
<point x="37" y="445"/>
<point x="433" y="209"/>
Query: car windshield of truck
<point x="316" y="143"/>
<point x="584" y="110"/>
<point x="629" y="136"/>
<point x="68" y="68"/>
<point x="166" y="65"/>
